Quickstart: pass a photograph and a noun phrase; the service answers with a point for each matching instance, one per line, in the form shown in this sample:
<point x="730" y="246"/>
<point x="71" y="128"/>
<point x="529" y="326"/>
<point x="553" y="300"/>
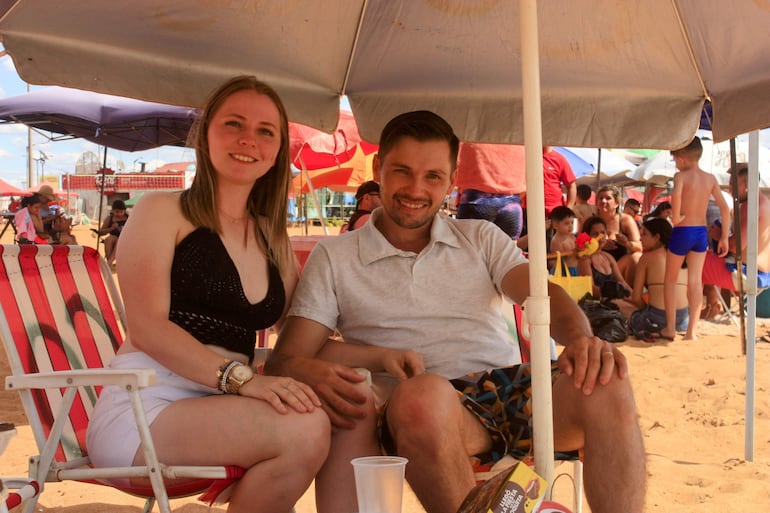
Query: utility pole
<point x="30" y="159"/>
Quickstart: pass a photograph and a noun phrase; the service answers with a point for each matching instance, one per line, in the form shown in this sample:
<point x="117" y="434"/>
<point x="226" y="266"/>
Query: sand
<point x="691" y="400"/>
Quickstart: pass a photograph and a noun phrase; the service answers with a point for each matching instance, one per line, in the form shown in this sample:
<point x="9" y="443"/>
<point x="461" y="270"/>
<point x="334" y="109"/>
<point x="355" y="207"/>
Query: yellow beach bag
<point x="576" y="286"/>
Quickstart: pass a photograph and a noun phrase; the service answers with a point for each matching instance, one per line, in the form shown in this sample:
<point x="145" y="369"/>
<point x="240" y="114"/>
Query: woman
<point x="650" y="316"/>
<point x="112" y="227"/>
<point x="200" y="272"/>
<point x="24" y="220"/>
<point x="601" y="265"/>
<point x="622" y="231"/>
<point x="662" y="211"/>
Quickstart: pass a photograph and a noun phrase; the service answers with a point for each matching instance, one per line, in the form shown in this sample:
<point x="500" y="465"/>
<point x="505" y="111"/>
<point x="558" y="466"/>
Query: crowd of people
<point x="409" y="293"/>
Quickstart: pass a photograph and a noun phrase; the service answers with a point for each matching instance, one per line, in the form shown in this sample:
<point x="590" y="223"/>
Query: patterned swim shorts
<point x="502" y="401"/>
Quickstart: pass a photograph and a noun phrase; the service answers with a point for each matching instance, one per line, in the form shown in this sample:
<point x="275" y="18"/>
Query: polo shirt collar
<point x="374" y="246"/>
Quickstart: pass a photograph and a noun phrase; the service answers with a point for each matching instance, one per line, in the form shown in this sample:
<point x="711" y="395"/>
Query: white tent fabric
<point x="595" y="73"/>
<point x="613" y="74"/>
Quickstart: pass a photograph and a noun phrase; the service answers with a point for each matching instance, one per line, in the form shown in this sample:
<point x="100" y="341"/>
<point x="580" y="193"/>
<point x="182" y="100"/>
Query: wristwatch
<point x="239" y="375"/>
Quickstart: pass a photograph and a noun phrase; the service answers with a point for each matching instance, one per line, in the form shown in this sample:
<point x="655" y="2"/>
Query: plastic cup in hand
<point x="379" y="483"/>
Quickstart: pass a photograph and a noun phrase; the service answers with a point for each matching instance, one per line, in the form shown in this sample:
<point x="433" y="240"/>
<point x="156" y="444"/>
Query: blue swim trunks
<point x="688" y="238"/>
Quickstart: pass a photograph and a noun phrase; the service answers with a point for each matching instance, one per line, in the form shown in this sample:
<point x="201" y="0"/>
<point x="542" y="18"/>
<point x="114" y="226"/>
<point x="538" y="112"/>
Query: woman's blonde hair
<point x="268" y="200"/>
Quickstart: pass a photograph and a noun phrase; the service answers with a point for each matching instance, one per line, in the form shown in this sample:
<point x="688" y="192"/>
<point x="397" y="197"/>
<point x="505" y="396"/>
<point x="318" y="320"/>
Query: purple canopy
<point x="112" y="121"/>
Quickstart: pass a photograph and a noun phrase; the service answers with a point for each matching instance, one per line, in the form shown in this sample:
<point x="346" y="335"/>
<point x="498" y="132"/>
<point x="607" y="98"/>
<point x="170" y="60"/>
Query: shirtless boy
<point x="693" y="188"/>
<point x="563" y="241"/>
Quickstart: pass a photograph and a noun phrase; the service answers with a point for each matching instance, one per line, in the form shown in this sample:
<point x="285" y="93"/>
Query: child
<point x="602" y="265"/>
<point x="583" y="210"/>
<point x="693" y="188"/>
<point x="563" y="239"/>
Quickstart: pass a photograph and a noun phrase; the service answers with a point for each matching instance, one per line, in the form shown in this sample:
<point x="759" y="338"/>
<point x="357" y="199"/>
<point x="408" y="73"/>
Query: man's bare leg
<point x="605" y="425"/>
<point x="437" y="434"/>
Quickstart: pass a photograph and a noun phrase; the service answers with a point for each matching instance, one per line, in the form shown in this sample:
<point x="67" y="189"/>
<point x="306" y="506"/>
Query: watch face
<point x="241" y="373"/>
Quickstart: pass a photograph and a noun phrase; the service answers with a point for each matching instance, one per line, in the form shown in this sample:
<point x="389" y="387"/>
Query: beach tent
<point x="596" y="166"/>
<point x="596" y="73"/>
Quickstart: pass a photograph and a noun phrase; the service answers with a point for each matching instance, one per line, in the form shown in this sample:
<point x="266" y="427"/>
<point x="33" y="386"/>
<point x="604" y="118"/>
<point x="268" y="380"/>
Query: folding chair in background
<point x="61" y="321"/>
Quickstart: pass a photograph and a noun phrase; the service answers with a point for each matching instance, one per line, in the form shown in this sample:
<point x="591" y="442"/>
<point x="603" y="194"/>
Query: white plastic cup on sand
<point x="379" y="483"/>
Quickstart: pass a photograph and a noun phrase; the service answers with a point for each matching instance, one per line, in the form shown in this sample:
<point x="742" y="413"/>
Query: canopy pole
<point x="752" y="244"/>
<point x="537" y="304"/>
<point x="101" y="200"/>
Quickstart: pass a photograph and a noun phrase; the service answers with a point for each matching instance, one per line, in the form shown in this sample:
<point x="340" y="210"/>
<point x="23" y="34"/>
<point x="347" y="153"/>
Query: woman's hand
<point x="281" y="392"/>
<point x="403" y="364"/>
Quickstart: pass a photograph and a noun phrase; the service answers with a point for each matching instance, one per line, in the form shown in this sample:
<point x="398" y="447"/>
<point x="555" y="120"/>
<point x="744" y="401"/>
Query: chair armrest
<point x="124" y="378"/>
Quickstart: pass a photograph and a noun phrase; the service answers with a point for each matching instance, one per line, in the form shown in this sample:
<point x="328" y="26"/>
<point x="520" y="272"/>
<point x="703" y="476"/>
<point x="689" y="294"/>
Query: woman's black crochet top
<point x="207" y="298"/>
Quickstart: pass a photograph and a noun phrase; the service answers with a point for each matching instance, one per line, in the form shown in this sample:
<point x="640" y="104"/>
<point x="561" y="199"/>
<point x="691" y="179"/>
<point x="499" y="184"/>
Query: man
<point x="717" y="273"/>
<point x="490" y="178"/>
<point x="367" y="199"/>
<point x="693" y="188"/>
<point x="417" y="297"/>
<point x="633" y="208"/>
<point x="557" y="172"/>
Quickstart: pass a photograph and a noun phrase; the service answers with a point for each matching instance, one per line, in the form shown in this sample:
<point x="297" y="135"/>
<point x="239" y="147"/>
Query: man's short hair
<point x="741" y="169"/>
<point x="633" y="203"/>
<point x="561" y="213"/>
<point x="118" y="205"/>
<point x="421" y="125"/>
<point x="584" y="191"/>
<point x="694" y="149"/>
<point x="367" y="188"/>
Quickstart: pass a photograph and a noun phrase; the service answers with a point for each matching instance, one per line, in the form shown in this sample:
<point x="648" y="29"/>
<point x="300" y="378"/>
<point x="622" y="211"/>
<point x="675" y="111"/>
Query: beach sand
<point x="691" y="400"/>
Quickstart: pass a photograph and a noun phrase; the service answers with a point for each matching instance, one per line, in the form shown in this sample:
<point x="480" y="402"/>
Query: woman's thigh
<point x="224" y="429"/>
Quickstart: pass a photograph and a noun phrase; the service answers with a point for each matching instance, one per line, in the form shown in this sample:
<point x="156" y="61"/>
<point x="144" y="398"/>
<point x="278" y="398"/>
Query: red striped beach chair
<point x="61" y="321"/>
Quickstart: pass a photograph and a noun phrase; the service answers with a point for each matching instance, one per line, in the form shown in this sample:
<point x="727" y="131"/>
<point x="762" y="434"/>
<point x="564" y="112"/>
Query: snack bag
<point x="517" y="489"/>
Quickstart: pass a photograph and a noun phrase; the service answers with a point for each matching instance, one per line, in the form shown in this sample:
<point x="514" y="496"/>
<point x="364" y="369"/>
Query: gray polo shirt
<point x="444" y="302"/>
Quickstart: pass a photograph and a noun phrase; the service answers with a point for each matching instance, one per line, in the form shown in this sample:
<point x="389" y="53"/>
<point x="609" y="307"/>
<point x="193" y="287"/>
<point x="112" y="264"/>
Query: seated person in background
<point x="440" y="285"/>
<point x="112" y="226"/>
<point x="49" y="206"/>
<point x="583" y="210"/>
<point x="367" y="199"/>
<point x="26" y="231"/>
<point x="661" y="211"/>
<point x="608" y="280"/>
<point x="14" y="205"/>
<point x="633" y="208"/>
<point x="61" y="230"/>
<point x="648" y="318"/>
<point x="716" y="271"/>
<point x="622" y="231"/>
<point x="563" y="240"/>
<point x="38" y="219"/>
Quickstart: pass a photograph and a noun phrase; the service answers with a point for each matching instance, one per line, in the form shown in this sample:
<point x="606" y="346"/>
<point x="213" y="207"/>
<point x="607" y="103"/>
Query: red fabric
<point x="715" y="272"/>
<point x="493" y="168"/>
<point x="556" y="171"/>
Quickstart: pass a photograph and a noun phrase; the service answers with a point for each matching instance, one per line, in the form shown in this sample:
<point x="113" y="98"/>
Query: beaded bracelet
<point x="224" y="373"/>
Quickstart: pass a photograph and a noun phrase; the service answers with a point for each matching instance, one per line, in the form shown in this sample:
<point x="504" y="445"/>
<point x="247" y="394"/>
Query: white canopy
<point x="613" y="74"/>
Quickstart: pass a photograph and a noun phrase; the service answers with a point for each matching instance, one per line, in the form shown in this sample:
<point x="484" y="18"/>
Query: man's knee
<point x="423" y="403"/>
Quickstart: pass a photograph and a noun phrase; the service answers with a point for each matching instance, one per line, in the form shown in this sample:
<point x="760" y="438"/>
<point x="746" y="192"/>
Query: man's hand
<point x="336" y="386"/>
<point x="403" y="364"/>
<point x="724" y="246"/>
<point x="589" y="359"/>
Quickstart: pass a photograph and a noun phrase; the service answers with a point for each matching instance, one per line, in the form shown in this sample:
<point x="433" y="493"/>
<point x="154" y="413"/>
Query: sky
<point x="62" y="155"/>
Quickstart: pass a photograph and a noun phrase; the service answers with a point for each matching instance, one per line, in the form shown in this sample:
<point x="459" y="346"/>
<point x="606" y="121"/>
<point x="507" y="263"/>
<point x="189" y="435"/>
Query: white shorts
<point x="112" y="437"/>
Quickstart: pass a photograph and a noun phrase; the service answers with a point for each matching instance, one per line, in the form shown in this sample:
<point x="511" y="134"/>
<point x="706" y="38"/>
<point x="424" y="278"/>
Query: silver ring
<point x="609" y="353"/>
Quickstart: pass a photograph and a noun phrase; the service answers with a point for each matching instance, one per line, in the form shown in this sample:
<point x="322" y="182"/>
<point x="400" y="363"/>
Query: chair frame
<point x="54" y="463"/>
